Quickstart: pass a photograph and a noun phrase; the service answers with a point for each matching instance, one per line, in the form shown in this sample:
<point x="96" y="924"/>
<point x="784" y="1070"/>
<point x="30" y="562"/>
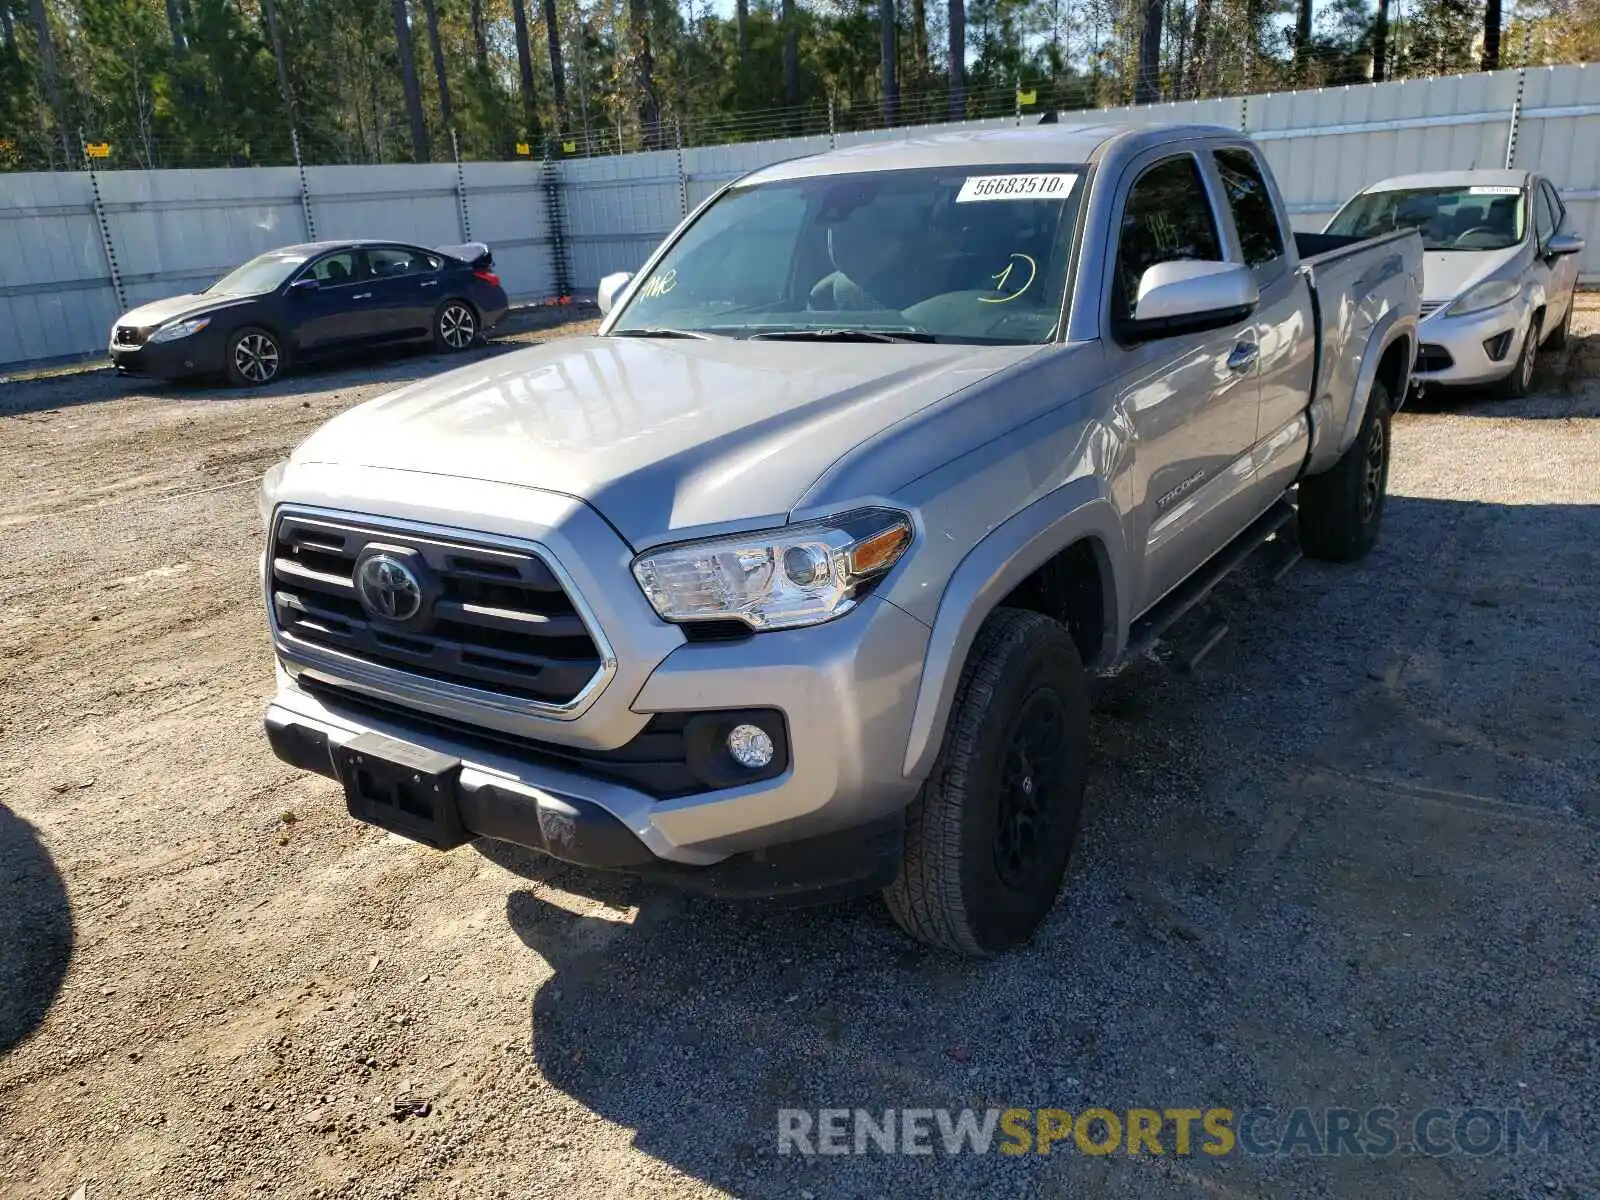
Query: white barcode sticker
<point x="1493" y="189"/>
<point x="1016" y="187"/>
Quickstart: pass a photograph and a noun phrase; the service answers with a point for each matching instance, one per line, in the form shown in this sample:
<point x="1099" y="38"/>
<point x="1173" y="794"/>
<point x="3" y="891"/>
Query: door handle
<point x="1243" y="357"/>
<point x="368" y="296"/>
<point x="431" y="283"/>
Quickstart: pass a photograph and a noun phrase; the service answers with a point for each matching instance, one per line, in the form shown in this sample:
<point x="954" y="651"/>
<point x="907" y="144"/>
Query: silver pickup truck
<point x="790" y="579"/>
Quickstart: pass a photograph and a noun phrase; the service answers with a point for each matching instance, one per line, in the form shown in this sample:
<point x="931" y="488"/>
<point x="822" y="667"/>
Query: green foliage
<point x="197" y="82"/>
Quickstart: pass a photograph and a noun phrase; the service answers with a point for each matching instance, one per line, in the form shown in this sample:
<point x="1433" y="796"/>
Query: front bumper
<point x="1456" y="350"/>
<point x="846" y="691"/>
<point x="199" y="354"/>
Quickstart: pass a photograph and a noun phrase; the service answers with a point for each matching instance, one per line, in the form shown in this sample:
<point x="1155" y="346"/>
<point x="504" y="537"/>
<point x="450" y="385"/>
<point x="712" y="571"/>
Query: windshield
<point x="1482" y="217"/>
<point x="943" y="254"/>
<point x="264" y="274"/>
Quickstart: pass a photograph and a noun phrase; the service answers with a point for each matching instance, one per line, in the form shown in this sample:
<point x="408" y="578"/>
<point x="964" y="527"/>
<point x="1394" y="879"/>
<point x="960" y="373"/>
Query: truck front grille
<point x="487" y="617"/>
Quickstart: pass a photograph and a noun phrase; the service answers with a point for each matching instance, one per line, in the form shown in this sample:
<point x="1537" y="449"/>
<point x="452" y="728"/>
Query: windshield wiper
<point x="656" y="331"/>
<point x="843" y="335"/>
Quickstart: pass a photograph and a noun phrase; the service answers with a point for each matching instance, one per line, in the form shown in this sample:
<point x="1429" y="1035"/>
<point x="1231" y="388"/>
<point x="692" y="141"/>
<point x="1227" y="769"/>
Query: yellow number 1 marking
<point x="1003" y="278"/>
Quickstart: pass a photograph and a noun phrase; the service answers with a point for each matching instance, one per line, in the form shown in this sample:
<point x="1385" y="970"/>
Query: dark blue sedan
<point x="313" y="300"/>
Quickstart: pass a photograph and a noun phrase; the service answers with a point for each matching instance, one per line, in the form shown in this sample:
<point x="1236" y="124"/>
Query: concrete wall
<point x="172" y="231"/>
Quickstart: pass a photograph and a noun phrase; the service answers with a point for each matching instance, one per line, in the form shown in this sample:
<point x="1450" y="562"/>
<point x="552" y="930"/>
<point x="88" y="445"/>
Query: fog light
<point x="750" y="746"/>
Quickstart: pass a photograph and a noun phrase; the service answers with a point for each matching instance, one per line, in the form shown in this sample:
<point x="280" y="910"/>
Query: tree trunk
<point x="408" y="78"/>
<point x="558" y="73"/>
<point x="741" y="17"/>
<point x="791" y="57"/>
<point x="269" y="12"/>
<point x="958" y="59"/>
<point x="1197" y="58"/>
<point x="174" y="24"/>
<point x="430" y="9"/>
<point x="480" y="38"/>
<point x="1147" y="83"/>
<point x="1491" y="35"/>
<point x="51" y="81"/>
<point x="8" y="33"/>
<point x="891" y="82"/>
<point x="1380" y="43"/>
<point x="919" y="39"/>
<point x="1302" y="35"/>
<point x="644" y="70"/>
<point x="519" y="18"/>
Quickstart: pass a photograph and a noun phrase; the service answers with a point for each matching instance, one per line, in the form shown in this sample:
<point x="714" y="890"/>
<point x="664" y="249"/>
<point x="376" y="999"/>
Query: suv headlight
<point x="777" y="579"/>
<point x="1485" y="295"/>
<point x="180" y="329"/>
<point x="267" y="497"/>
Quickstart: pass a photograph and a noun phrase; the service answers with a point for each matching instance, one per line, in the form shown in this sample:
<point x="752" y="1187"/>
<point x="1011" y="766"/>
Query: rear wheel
<point x="1520" y="382"/>
<point x="1341" y="510"/>
<point x="255" y="358"/>
<point x="989" y="835"/>
<point x="455" y="326"/>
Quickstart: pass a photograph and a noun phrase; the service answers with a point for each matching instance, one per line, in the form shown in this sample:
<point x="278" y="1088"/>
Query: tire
<point x="1558" y="339"/>
<point x="1520" y="382"/>
<point x="455" y="327"/>
<point x="977" y="877"/>
<point x="1341" y="510"/>
<point x="256" y="357"/>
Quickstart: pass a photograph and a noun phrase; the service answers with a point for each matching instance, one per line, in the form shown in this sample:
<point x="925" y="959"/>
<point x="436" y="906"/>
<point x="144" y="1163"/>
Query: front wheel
<point x="455" y="326"/>
<point x="1341" y="510"/>
<point x="990" y="833"/>
<point x="1520" y="382"/>
<point x="255" y="358"/>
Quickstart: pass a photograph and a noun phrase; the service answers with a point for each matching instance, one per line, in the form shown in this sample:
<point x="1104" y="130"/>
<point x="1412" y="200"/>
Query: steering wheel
<point x="1466" y="233"/>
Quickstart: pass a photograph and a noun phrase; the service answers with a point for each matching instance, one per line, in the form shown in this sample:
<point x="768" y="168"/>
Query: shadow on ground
<point x="1348" y="862"/>
<point x="35" y="930"/>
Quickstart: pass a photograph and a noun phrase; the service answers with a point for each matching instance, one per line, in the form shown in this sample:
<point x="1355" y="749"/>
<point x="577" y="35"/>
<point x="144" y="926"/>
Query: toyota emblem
<point x="389" y="588"/>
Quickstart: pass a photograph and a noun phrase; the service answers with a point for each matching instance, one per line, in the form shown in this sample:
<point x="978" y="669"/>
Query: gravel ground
<point x="1351" y="860"/>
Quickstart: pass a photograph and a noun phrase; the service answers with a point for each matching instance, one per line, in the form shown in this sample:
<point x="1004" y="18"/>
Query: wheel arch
<point x="1027" y="558"/>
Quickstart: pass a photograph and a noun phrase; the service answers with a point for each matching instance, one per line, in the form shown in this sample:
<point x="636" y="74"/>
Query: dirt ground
<point x="1351" y="860"/>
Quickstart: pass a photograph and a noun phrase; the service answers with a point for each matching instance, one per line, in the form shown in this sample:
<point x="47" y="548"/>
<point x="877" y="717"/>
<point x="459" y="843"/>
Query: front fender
<point x="994" y="567"/>
<point x="1333" y="432"/>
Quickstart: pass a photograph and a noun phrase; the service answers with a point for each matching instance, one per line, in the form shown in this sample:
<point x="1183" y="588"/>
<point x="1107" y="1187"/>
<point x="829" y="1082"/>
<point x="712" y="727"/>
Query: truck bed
<point x="1355" y="284"/>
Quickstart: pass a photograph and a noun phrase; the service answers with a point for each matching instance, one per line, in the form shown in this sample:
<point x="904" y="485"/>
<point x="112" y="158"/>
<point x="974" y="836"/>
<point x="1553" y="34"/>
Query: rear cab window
<point x="1255" y="217"/>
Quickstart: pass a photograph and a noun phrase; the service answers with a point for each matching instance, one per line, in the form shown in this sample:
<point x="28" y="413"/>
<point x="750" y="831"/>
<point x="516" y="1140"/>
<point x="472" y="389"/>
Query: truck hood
<point x="1448" y="273"/>
<point x="662" y="437"/>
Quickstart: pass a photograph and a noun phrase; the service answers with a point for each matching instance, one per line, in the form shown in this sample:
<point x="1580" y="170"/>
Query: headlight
<point x="267" y="497"/>
<point x="778" y="579"/>
<point x="180" y="329"/>
<point x="1484" y="295"/>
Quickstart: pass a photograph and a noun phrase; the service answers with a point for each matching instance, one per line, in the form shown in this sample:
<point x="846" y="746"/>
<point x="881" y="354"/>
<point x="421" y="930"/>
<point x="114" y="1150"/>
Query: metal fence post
<point x="461" y="189"/>
<point x="833" y="137"/>
<point x="683" y="178"/>
<point x="105" y="226"/>
<point x="560" y="264"/>
<point x="1516" y="118"/>
<point x="305" y="188"/>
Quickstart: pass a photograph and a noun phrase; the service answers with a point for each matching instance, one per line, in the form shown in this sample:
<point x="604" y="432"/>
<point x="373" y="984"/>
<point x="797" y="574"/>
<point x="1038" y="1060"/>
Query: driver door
<point x="1192" y="400"/>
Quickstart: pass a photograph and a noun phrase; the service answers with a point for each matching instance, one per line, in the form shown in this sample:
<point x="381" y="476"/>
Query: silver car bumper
<point x="845" y="691"/>
<point x="1457" y="350"/>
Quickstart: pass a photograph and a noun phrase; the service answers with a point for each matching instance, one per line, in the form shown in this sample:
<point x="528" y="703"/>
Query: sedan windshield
<point x="957" y="254"/>
<point x="259" y="275"/>
<point x="1480" y="217"/>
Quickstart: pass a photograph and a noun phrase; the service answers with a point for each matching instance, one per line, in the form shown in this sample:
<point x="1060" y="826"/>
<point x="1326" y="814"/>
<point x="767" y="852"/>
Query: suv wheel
<point x="1341" y="510"/>
<point x="989" y="835"/>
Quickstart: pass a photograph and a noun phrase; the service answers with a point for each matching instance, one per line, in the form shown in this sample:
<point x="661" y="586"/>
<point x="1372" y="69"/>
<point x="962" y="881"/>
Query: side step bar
<point x="1147" y="630"/>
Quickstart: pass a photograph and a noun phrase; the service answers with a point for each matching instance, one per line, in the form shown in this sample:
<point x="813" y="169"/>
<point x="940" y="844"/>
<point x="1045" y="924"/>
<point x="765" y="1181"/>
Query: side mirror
<point x="1562" y="244"/>
<point x="1189" y="297"/>
<point x="301" y="286"/>
<point x="610" y="288"/>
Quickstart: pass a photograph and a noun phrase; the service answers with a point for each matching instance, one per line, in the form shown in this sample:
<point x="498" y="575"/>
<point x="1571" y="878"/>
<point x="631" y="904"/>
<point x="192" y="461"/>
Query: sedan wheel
<point x="456" y="326"/>
<point x="254" y="358"/>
